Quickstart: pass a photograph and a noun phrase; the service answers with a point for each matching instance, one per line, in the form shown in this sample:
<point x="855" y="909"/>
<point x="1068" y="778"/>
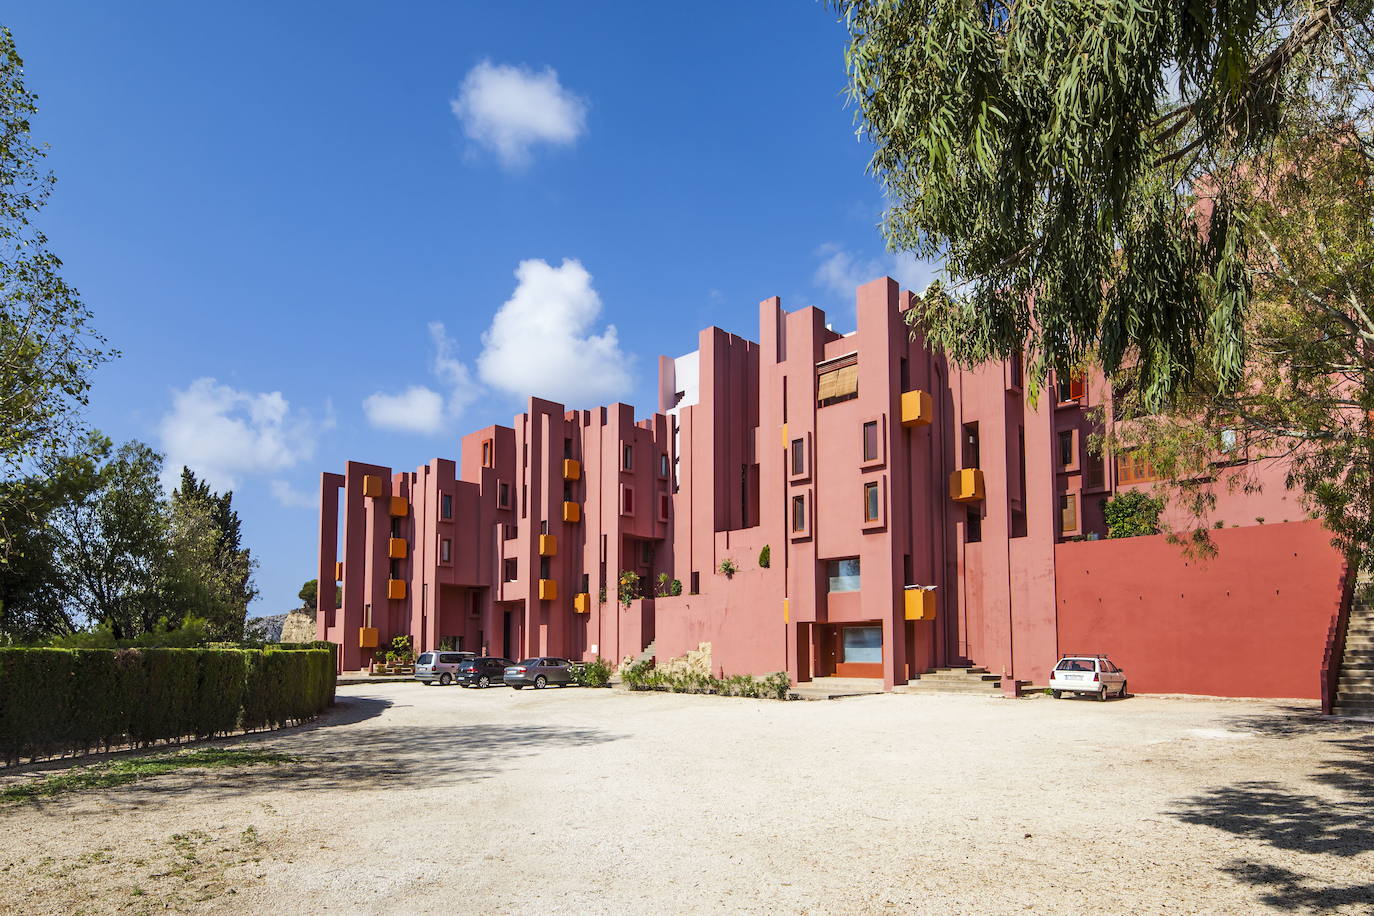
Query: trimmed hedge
<point x="72" y="701"/>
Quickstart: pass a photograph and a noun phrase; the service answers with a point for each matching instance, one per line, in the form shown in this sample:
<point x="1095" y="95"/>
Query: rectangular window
<point x="544" y="567"/>
<point x="799" y="513"/>
<point x="503" y="495"/>
<point x="844" y="574"/>
<point x="972" y="456"/>
<point x="646" y="553"/>
<point x="663" y="506"/>
<point x="628" y="457"/>
<point x="973" y="526"/>
<point x="863" y="645"/>
<point x="627" y="501"/>
<point x="1133" y="468"/>
<point x="663" y="464"/>
<point x="1017" y="370"/>
<point x="446" y="506"/>
<point x="798" y="457"/>
<point x="395" y="569"/>
<point x="1094" y="476"/>
<point x="696" y="583"/>
<point x="870" y="502"/>
<point x="488" y="454"/>
<point x="586" y="583"/>
<point x="871" y="440"/>
<point x="544" y="526"/>
<point x="1071" y="388"/>
<point x="1066" y="456"/>
<point x="509" y="570"/>
<point x="837" y="383"/>
<point x="445" y="551"/>
<point x="567" y="448"/>
<point x="1068" y="513"/>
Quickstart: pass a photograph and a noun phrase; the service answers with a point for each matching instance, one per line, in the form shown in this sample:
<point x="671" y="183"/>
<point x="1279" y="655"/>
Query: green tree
<point x="1132" y="513"/>
<point x="309" y="593"/>
<point x="47" y="348"/>
<point x="1080" y="165"/>
<point x="211" y="571"/>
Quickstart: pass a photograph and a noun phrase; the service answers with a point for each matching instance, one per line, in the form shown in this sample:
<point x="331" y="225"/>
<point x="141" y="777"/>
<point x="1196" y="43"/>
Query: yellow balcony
<point x="966" y="485"/>
<point x="572" y="469"/>
<point x="784" y="436"/>
<point x="582" y="604"/>
<point x="396" y="589"/>
<point x="367" y="637"/>
<point x="338" y="571"/>
<point x="400" y="506"/>
<point x="572" y="513"/>
<point x="396" y="548"/>
<point x="917" y="408"/>
<point x="548" y="545"/>
<point x="548" y="589"/>
<point x="372" y="486"/>
<point x="920" y="603"/>
<point x="787" y="610"/>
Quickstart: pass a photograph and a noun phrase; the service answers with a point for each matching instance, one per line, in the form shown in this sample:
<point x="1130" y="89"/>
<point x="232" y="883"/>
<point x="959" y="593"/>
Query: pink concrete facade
<point x="834" y="452"/>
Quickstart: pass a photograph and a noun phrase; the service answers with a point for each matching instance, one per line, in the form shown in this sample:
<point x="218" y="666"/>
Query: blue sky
<point x="297" y="221"/>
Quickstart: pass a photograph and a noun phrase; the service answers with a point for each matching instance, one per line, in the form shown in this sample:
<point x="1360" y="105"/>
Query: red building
<point x="830" y="504"/>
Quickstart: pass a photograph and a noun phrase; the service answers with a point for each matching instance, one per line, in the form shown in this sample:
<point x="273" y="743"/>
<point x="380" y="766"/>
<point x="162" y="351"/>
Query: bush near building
<point x="72" y="701"/>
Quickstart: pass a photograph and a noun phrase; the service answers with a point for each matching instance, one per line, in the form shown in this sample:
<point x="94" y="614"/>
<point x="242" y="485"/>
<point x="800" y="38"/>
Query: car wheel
<point x="445" y="680"/>
<point x="484" y="681"/>
<point x="1057" y="694"/>
<point x="1102" y="694"/>
<point x="541" y="682"/>
<point x="1122" y="694"/>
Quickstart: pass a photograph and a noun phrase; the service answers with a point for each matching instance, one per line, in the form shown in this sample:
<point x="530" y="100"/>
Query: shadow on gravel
<point x="1286" y="818"/>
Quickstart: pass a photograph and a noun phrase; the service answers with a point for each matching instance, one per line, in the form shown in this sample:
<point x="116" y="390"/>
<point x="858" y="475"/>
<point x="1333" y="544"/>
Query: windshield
<point x="424" y="659"/>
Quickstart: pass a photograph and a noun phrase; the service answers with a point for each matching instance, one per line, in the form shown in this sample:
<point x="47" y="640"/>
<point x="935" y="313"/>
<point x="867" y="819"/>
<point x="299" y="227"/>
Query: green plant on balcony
<point x="765" y="557"/>
<point x="728" y="568"/>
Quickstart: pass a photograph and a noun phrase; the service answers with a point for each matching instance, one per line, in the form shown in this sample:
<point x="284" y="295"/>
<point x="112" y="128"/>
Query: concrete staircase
<point x="1355" y="690"/>
<point x="647" y="654"/>
<point x="974" y="681"/>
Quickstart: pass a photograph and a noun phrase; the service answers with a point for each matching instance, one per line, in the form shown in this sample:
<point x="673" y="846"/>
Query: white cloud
<point x="416" y="410"/>
<point x="292" y="497"/>
<point x="841" y="272"/>
<point x="542" y="342"/>
<point x="224" y="434"/>
<point x="421" y="409"/>
<point x="511" y="109"/>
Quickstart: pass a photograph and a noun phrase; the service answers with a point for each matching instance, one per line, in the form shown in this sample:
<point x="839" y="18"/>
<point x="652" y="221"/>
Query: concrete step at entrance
<point x="1351" y="681"/>
<point x="974" y="680"/>
<point x="1363" y="710"/>
<point x="933" y="687"/>
<point x="960" y="678"/>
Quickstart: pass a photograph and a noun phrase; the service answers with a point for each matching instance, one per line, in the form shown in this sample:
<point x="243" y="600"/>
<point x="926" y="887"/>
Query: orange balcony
<point x="786" y="610"/>
<point x="917" y="408"/>
<point x="966" y="485"/>
<point x="400" y="506"/>
<point x="920" y="603"/>
<point x="338" y="571"/>
<point x="582" y="604"/>
<point x="548" y="589"/>
<point x="572" y="513"/>
<point x="396" y="548"/>
<point x="572" y="469"/>
<point x="372" y="486"/>
<point x="396" y="589"/>
<point x="367" y="637"/>
<point x="548" y="545"/>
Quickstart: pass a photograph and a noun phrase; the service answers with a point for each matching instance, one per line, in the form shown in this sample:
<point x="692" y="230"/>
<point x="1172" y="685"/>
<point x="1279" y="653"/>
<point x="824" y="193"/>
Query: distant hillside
<point x="267" y="629"/>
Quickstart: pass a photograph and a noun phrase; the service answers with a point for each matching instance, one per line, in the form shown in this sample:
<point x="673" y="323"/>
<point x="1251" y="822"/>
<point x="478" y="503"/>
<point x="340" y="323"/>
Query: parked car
<point x="539" y="672"/>
<point x="1094" y="675"/>
<point x="482" y="672"/>
<point x="439" y="666"/>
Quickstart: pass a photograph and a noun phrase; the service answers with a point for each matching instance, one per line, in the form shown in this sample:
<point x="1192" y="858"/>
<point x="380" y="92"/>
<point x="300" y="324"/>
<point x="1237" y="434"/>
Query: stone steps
<point x="1355" y="687"/>
<point x="975" y="681"/>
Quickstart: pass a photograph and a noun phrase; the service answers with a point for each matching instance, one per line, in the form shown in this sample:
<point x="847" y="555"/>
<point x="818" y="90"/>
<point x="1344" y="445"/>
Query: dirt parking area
<point x="415" y="799"/>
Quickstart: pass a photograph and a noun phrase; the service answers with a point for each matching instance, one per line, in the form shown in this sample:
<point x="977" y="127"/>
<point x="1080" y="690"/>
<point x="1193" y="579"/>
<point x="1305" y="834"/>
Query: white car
<point x="1090" y="674"/>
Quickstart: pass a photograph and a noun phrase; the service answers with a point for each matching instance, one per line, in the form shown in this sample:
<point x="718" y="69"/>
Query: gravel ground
<point x="413" y="799"/>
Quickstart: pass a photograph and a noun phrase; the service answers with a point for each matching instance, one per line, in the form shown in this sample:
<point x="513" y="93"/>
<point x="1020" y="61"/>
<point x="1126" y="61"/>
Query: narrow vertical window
<point x="503" y="495"/>
<point x="973" y="526"/>
<point x="446" y="506"/>
<point x="543" y="567"/>
<point x="628" y="455"/>
<point x="1068" y="513"/>
<point x="871" y="440"/>
<point x="799" y="513"/>
<point x="1066" y="455"/>
<point x="663" y="464"/>
<point x="870" y="502"/>
<point x="567" y="448"/>
<point x="972" y="458"/>
<point x="488" y="454"/>
<point x="445" y="551"/>
<point x="798" y="457"/>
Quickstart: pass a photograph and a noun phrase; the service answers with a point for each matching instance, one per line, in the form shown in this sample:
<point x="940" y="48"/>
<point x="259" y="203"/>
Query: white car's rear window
<point x="1076" y="664"/>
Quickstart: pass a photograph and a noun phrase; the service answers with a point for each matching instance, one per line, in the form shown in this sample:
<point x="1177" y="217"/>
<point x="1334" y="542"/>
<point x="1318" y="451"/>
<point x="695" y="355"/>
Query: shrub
<point x="728" y="568"/>
<point x="628" y="586"/>
<point x="675" y="587"/>
<point x="643" y="676"/>
<point x="765" y="556"/>
<point x="1132" y="514"/>
<point x="593" y="674"/>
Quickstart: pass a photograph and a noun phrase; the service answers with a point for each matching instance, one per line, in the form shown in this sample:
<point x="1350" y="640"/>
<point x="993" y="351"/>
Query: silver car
<point x="539" y="672"/>
<point x="439" y="666"/>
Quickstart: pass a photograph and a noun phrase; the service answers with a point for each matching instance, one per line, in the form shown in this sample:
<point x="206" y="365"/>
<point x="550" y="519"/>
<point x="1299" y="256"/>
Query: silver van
<point x="439" y="666"/>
